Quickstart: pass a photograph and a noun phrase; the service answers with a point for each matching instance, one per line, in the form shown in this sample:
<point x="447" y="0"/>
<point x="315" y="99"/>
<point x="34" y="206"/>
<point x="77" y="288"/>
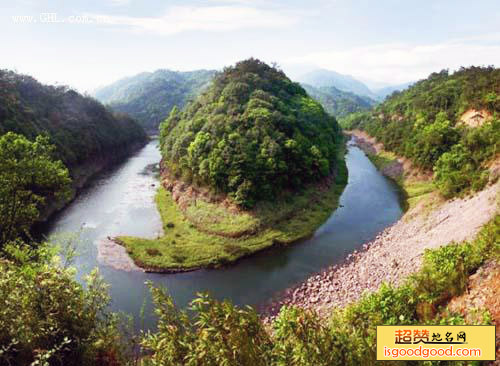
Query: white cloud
<point x="120" y="2"/>
<point x="401" y="62"/>
<point x="179" y="19"/>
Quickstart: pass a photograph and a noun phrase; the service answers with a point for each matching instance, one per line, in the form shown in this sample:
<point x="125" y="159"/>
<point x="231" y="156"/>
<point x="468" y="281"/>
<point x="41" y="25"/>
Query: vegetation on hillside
<point x="423" y="124"/>
<point x="252" y="134"/>
<point x="149" y="97"/>
<point x="81" y="128"/>
<point x="339" y="103"/>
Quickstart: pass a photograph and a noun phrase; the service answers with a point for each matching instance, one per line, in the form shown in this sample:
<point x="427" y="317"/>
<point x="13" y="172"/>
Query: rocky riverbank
<point x="394" y="254"/>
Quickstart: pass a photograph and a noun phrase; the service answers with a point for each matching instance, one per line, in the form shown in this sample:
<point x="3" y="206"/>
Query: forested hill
<point x="448" y="123"/>
<point x="149" y="97"/>
<point x="337" y="102"/>
<point x="81" y="128"/>
<point x="251" y="134"/>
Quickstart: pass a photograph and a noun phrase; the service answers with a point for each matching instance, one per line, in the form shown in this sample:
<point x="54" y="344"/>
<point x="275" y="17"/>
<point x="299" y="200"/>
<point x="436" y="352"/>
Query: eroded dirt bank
<point x="395" y="253"/>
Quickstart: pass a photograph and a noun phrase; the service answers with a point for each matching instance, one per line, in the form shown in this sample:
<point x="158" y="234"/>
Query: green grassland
<point x="412" y="190"/>
<point x="211" y="235"/>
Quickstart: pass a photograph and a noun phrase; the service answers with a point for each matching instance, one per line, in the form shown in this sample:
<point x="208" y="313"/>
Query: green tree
<point x="455" y="170"/>
<point x="47" y="318"/>
<point x="28" y="176"/>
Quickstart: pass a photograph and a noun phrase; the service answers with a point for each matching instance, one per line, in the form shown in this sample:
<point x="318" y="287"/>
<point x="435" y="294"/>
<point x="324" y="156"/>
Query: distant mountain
<point x="337" y="102"/>
<point x="327" y="78"/>
<point x="150" y="96"/>
<point x="384" y="92"/>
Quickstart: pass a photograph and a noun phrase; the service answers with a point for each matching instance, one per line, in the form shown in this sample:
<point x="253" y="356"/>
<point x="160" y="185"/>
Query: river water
<point x="121" y="202"/>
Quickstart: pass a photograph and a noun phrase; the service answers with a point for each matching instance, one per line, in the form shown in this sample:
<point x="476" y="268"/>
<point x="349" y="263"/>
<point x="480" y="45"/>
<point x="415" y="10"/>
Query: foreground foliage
<point x="423" y="124"/>
<point x="251" y="134"/>
<point x="29" y="177"/>
<point x="47" y="318"/>
<point x="222" y="334"/>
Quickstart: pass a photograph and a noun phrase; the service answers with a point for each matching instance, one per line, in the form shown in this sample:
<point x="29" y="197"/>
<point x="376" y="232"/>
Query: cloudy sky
<point x="89" y="43"/>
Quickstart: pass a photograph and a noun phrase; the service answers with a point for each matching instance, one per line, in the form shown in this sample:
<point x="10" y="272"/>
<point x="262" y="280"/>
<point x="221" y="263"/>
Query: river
<point x="121" y="202"/>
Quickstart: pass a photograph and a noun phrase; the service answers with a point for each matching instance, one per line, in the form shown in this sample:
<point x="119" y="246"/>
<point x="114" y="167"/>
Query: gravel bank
<point x="393" y="255"/>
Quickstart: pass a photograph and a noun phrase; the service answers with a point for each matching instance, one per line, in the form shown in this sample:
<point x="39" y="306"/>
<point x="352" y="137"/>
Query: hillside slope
<point x="252" y="134"/>
<point x="87" y="136"/>
<point x="150" y="96"/>
<point x="447" y="124"/>
<point x="337" y="102"/>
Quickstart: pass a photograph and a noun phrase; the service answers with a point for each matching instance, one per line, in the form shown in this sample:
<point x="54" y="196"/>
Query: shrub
<point x="153" y="252"/>
<point x="217" y="334"/>
<point x="455" y="171"/>
<point x="47" y="318"/>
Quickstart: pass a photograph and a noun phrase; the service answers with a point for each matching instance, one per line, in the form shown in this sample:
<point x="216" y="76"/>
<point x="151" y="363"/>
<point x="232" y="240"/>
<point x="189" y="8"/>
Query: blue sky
<point x="380" y="42"/>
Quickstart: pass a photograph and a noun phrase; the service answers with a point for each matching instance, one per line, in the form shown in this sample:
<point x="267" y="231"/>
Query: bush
<point x="153" y="252"/>
<point x="455" y="171"/>
<point x="217" y="334"/>
<point x="47" y="318"/>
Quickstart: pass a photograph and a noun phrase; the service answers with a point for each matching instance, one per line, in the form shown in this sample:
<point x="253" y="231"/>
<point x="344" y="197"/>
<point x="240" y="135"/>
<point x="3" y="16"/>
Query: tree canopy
<point x="150" y="96"/>
<point x="251" y="134"/>
<point x="79" y="126"/>
<point x="28" y="176"/>
<point x="424" y="124"/>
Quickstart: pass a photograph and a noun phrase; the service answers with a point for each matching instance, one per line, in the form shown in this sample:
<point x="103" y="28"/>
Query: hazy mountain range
<point x="150" y="96"/>
<point x="326" y="78"/>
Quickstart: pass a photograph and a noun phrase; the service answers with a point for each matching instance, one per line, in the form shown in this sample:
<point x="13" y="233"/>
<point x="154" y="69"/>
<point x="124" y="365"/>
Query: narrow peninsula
<point x="252" y="163"/>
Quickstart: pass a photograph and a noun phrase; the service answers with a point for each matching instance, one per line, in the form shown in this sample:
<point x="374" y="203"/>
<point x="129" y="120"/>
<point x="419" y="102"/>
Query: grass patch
<point x="382" y="159"/>
<point x="412" y="190"/>
<point x="184" y="246"/>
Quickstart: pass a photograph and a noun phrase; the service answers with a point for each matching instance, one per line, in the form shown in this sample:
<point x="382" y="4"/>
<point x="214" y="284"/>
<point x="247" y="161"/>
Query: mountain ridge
<point x="150" y="96"/>
<point x="319" y="78"/>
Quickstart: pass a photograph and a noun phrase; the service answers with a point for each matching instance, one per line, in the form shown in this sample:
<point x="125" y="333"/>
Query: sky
<point x="90" y="43"/>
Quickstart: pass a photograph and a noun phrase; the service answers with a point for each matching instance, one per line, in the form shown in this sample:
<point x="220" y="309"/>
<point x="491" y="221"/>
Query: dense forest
<point x="149" y="97"/>
<point x="447" y="123"/>
<point x="251" y="134"/>
<point x="52" y="140"/>
<point x="339" y="103"/>
<point x="79" y="126"/>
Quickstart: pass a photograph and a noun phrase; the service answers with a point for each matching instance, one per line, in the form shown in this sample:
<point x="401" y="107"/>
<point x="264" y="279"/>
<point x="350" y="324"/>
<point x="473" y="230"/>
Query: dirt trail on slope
<point x="394" y="254"/>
